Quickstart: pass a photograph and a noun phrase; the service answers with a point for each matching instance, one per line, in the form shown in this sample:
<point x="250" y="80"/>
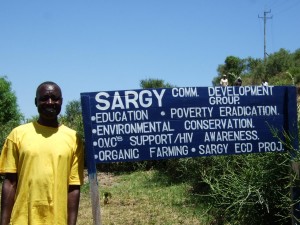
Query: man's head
<point x="48" y="101"/>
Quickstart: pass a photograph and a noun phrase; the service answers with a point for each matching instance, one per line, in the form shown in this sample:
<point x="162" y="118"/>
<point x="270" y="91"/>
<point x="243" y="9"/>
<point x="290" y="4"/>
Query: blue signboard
<point x="164" y="123"/>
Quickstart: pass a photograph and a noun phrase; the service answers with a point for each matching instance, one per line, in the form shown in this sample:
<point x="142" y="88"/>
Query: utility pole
<point x="265" y="22"/>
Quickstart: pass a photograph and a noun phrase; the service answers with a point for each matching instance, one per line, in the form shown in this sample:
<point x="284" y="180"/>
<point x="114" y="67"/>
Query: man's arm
<point x="9" y="188"/>
<point x="73" y="203"/>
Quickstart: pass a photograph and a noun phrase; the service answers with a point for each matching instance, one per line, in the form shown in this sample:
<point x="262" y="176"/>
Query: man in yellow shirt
<point x="43" y="166"/>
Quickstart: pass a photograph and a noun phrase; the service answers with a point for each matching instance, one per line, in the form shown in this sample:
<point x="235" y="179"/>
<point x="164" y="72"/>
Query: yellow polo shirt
<point x="47" y="160"/>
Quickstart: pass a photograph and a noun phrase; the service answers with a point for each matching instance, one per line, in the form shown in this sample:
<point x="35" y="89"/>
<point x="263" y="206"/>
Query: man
<point x="238" y="82"/>
<point x="224" y="81"/>
<point x="43" y="166"/>
<point x="264" y="83"/>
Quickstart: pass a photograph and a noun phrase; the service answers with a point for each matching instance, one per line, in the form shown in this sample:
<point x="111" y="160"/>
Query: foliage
<point x="10" y="115"/>
<point x="73" y="117"/>
<point x="294" y="70"/>
<point x="154" y="83"/>
<point x="278" y="62"/>
<point x="250" y="189"/>
<point x="253" y="71"/>
<point x="282" y="79"/>
<point x="233" y="68"/>
<point x="32" y="119"/>
<point x="234" y="65"/>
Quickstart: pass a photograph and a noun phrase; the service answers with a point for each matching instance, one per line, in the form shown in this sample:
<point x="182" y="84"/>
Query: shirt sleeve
<point x="9" y="157"/>
<point x="76" y="175"/>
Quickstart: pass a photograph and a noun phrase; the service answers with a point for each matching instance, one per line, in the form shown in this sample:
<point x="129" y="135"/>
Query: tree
<point x="254" y="70"/>
<point x="154" y="83"/>
<point x="10" y="115"/>
<point x="278" y="62"/>
<point x="233" y="68"/>
<point x="73" y="117"/>
<point x="234" y="65"/>
<point x="295" y="69"/>
<point x="281" y="68"/>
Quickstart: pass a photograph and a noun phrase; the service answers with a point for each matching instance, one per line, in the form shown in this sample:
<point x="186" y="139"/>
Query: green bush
<point x="240" y="189"/>
<point x="10" y="115"/>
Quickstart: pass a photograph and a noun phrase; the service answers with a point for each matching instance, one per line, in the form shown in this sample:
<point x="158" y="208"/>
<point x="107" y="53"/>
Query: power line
<point x="281" y="6"/>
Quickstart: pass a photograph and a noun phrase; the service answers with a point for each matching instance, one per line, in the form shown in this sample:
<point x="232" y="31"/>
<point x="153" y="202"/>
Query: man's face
<point x="48" y="101"/>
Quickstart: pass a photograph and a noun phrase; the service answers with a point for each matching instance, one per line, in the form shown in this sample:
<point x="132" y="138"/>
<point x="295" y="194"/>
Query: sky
<point x="109" y="45"/>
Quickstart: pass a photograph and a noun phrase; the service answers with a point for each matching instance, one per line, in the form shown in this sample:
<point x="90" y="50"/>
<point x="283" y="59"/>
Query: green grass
<point x="141" y="198"/>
